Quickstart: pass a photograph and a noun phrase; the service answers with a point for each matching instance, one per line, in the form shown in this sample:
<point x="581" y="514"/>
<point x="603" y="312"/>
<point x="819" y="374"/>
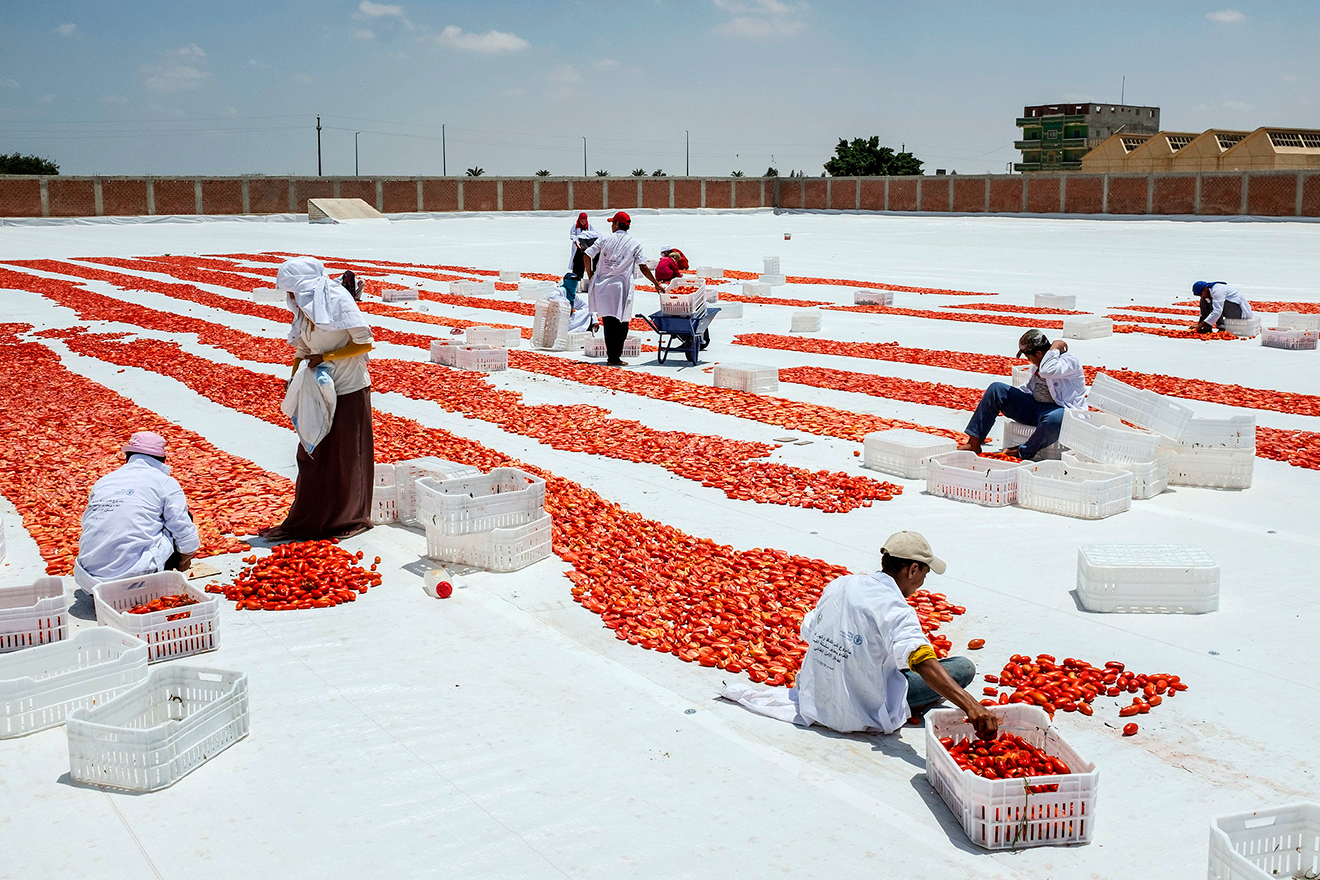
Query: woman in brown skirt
<point x="333" y="494"/>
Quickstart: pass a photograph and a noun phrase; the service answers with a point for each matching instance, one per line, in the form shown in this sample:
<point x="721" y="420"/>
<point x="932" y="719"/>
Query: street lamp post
<point x="687" y="153"/>
<point x="584" y="157"/>
<point x="444" y="160"/>
<point x="355" y="153"/>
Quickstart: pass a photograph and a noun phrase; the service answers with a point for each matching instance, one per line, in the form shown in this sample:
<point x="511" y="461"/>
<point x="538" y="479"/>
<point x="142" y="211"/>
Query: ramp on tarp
<point x="340" y="210"/>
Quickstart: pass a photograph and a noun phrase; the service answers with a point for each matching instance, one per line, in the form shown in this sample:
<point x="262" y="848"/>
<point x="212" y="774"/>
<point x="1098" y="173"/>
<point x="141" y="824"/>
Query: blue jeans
<point x="570" y="289"/>
<point x="1020" y="406"/>
<point x="920" y="696"/>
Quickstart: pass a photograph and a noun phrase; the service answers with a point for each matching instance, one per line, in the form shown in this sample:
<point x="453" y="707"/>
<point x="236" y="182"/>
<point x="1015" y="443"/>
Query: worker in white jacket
<point x="1219" y="301"/>
<point x="137" y="519"/>
<point x="869" y="667"/>
<point x="611" y="262"/>
<point x="1055" y="383"/>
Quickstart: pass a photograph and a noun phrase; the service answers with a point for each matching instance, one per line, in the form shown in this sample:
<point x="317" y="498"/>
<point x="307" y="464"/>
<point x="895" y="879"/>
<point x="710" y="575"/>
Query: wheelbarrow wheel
<point x="705" y="340"/>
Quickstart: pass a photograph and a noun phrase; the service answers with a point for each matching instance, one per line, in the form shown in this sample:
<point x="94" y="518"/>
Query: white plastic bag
<point x="310" y="404"/>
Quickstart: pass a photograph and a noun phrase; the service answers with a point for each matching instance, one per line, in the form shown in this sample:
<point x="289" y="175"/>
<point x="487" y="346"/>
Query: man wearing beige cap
<point x="869" y="667"/>
<point x="137" y="519"/>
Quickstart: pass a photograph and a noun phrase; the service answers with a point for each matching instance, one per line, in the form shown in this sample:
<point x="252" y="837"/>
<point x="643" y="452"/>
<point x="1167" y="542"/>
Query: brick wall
<point x="1268" y="194"/>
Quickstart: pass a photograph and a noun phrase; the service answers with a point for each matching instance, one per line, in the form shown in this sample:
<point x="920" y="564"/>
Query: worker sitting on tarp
<point x="137" y="519"/>
<point x="869" y="667"/>
<point x="671" y="265"/>
<point x="1055" y="383"/>
<point x="1219" y="301"/>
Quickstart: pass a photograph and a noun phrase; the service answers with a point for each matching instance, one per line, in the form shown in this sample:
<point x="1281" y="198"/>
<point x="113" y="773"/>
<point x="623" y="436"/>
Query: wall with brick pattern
<point x="902" y="194"/>
<point x="687" y="193"/>
<point x="747" y="193"/>
<point x="1042" y="195"/>
<point x="178" y="195"/>
<point x="554" y="195"/>
<point x="655" y="193"/>
<point x="1272" y="195"/>
<point x="813" y="194"/>
<point x="1311" y="195"/>
<point x="399" y="196"/>
<point x="1127" y="195"/>
<point x="1219" y="195"/>
<point x="935" y="194"/>
<point x="364" y="189"/>
<point x="1084" y="195"/>
<point x="20" y="197"/>
<point x="1006" y="195"/>
<point x="588" y="195"/>
<point x="440" y="195"/>
<point x="519" y="195"/>
<point x="480" y="195"/>
<point x="312" y="188"/>
<point x="968" y="194"/>
<point x="1173" y="195"/>
<point x="873" y="194"/>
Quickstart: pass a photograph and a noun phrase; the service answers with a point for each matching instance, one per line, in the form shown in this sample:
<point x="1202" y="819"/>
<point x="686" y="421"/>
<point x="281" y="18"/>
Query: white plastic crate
<point x="902" y="451"/>
<point x="712" y="295"/>
<point x="1234" y="432"/>
<point x="771" y="265"/>
<point x="3" y="550"/>
<point x="1270" y="844"/>
<point x="391" y="295"/>
<point x="550" y="325"/>
<point x="755" y="288"/>
<point x="495" y="337"/>
<point x="1147" y="578"/>
<point x="683" y="304"/>
<point x="1016" y="433"/>
<point x="873" y="297"/>
<point x="1208" y="467"/>
<point x="773" y="280"/>
<point x="966" y="476"/>
<point x="509" y="276"/>
<point x="1298" y="321"/>
<point x="1105" y="438"/>
<point x="171" y="633"/>
<point x="407" y="473"/>
<point x="1067" y="302"/>
<point x="271" y="295"/>
<point x="443" y="351"/>
<point x="577" y="341"/>
<point x="506" y="549"/>
<point x="1149" y="478"/>
<point x="1068" y="490"/>
<point x="33" y="614"/>
<point x="1294" y="340"/>
<point x="1145" y="409"/>
<point x="729" y="310"/>
<point x="504" y="497"/>
<point x="531" y="290"/>
<point x="805" y="321"/>
<point x="753" y="378"/>
<point x="594" y="347"/>
<point x="1076" y="327"/>
<point x="481" y="358"/>
<point x="1001" y="813"/>
<point x="1242" y="326"/>
<point x="472" y="288"/>
<point x="160" y="730"/>
<point x="1020" y="374"/>
<point x="40" y="686"/>
<point x="709" y="272"/>
<point x="384" y="495"/>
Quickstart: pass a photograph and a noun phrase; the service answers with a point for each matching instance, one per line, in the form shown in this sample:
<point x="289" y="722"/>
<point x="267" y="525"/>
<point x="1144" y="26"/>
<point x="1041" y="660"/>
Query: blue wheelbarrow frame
<point x="685" y="333"/>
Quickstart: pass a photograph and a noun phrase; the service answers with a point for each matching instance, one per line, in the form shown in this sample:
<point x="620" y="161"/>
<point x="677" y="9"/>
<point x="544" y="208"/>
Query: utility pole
<point x="318" y="146"/>
<point x="584" y="157"/>
<point x="355" y="153"/>
<point x="1122" y="95"/>
<point x="687" y="153"/>
<point x="444" y="159"/>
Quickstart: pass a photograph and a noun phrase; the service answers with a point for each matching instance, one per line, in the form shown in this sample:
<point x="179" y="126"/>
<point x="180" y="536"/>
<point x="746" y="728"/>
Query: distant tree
<point x="736" y="174"/>
<point x="475" y="172"/>
<point x="16" y="163"/>
<point x="772" y="171"/>
<point x="866" y="158"/>
<point x="659" y="172"/>
<point x="639" y="172"/>
<point x="602" y="173"/>
<point x="543" y="173"/>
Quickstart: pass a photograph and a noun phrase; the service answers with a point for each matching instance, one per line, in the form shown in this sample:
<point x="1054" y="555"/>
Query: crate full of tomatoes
<point x="172" y="616"/>
<point x="1029" y="787"/>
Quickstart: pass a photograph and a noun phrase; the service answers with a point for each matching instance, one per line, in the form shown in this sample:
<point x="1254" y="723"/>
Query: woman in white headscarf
<point x="333" y="495"/>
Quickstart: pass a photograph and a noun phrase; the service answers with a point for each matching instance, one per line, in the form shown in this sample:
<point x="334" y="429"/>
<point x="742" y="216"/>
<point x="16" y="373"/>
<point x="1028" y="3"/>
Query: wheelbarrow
<point x="689" y="334"/>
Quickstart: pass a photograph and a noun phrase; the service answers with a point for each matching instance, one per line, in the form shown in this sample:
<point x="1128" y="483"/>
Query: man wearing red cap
<point x="610" y="265"/>
<point x="137" y="519"/>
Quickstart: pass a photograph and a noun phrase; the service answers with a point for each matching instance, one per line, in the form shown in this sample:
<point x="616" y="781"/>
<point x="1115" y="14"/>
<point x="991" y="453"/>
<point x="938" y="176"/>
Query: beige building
<point x="1274" y="149"/>
<point x="1203" y="153"/>
<point x="1265" y="149"/>
<point x="1157" y="153"/>
<point x="1111" y="152"/>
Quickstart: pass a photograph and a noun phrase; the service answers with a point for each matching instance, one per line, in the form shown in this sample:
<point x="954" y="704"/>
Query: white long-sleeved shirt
<point x="861" y="634"/>
<point x="1062" y="371"/>
<point x="350" y="374"/>
<point x="1221" y="293"/>
<point x="614" y="259"/>
<point x="135" y="517"/>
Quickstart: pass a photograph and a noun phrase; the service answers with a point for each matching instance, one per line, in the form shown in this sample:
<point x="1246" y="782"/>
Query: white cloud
<point x="1291" y="78"/>
<point x="1226" y="16"/>
<point x="565" y="76"/>
<point x="759" y="7"/>
<point x="363" y="34"/>
<point x="605" y="64"/>
<point x="490" y="42"/>
<point x="259" y="65"/>
<point x="379" y="10"/>
<point x="114" y="99"/>
<point x="512" y="93"/>
<point x="45" y="99"/>
<point x="66" y="30"/>
<point x="7" y="83"/>
<point x="302" y="78"/>
<point x="179" y="71"/>
<point x="1239" y="106"/>
<point x="760" y="19"/>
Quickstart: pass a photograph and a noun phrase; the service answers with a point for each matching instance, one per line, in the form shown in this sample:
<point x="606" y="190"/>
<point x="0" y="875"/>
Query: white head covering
<point x="314" y="296"/>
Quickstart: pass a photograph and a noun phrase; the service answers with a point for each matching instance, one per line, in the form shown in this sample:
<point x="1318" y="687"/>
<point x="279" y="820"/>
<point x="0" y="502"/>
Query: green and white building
<point x="1055" y="137"/>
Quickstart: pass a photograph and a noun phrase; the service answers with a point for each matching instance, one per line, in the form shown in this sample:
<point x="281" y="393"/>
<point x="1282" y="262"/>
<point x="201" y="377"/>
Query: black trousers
<point x="616" y="333"/>
<point x="1231" y="310"/>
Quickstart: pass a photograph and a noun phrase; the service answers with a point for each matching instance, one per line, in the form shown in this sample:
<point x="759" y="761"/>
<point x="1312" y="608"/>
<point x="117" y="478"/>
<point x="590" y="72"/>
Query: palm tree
<point x="659" y="172"/>
<point x="543" y="173"/>
<point x="772" y="172"/>
<point x="476" y="172"/>
<point x="639" y="172"/>
<point x="736" y="174"/>
<point x="602" y="173"/>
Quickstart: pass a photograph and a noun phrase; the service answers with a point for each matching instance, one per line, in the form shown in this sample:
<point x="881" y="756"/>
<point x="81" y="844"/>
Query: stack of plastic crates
<point x="496" y="521"/>
<point x="1145" y="409"/>
<point x="1269" y="844"/>
<point x="1294" y="340"/>
<point x="443" y="351"/>
<point x="1147" y="578"/>
<point x="1068" y="490"/>
<point x="1212" y="453"/>
<point x="902" y="451"/>
<point x="391" y="295"/>
<point x="805" y="321"/>
<point x="1016" y="433"/>
<point x="708" y="272"/>
<point x="406" y="475"/>
<point x="873" y="297"/>
<point x="1063" y="302"/>
<point x="1105" y="438"/>
<point x="33" y="614"/>
<point x="534" y="289"/>
<point x="510" y="276"/>
<point x="1087" y="328"/>
<point x="472" y="288"/>
<point x="1243" y="327"/>
<point x="755" y="288"/>
<point x="594" y="347"/>
<point x="770" y="265"/>
<point x="384" y="496"/>
<point x="495" y="337"/>
<point x="1149" y="478"/>
<point x="550" y="325"/>
<point x="577" y="341"/>
<point x="772" y="275"/>
<point x="966" y="476"/>
<point x="1298" y="321"/>
<point x="752" y="378"/>
<point x="269" y="295"/>
<point x="481" y="358"/>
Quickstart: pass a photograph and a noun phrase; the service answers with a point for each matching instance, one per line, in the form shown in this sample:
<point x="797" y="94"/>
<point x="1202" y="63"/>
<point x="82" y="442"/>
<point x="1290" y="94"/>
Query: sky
<point x="235" y="87"/>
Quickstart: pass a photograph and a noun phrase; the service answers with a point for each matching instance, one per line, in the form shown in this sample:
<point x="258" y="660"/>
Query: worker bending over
<point x="1219" y="301"/>
<point x="869" y="667"/>
<point x="1056" y="383"/>
<point x="137" y="519"/>
<point x="671" y="265"/>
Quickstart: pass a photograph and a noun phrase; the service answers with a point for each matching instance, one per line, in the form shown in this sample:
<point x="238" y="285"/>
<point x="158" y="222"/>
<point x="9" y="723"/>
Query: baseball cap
<point x="911" y="545"/>
<point x="621" y="217"/>
<point x="1032" y="340"/>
